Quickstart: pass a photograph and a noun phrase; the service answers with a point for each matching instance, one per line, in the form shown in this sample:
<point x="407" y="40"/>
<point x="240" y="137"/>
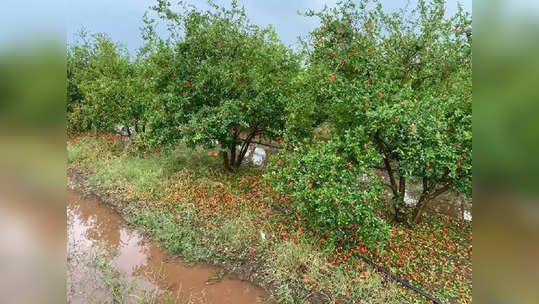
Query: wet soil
<point x="94" y="226"/>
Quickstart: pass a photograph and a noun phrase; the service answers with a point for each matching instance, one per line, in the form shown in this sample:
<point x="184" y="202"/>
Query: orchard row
<point x="390" y="90"/>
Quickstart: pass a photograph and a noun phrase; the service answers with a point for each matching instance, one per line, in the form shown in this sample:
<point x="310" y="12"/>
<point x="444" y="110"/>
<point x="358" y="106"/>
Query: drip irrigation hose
<point x="381" y="269"/>
<point x="399" y="279"/>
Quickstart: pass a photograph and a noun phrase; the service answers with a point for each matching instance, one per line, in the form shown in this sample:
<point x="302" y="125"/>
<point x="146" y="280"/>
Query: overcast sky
<point x="121" y="19"/>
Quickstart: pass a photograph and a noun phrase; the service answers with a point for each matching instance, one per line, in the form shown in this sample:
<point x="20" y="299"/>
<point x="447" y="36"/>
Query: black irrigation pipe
<point x="390" y="274"/>
<point x="399" y="279"/>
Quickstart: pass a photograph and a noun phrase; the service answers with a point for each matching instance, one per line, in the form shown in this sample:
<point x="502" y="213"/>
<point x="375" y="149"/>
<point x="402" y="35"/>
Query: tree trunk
<point x="391" y="177"/>
<point x="232" y="162"/>
<point x="397" y="198"/>
<point x="244" y="148"/>
<point x="399" y="217"/>
<point x="419" y="210"/>
<point x="402" y="186"/>
<point x="226" y="163"/>
<point x="128" y="131"/>
<point x="425" y="198"/>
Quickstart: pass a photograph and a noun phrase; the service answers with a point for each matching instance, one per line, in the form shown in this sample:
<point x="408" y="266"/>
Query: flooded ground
<point x="101" y="249"/>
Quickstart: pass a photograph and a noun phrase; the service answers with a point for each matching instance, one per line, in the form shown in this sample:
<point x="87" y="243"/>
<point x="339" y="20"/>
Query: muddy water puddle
<point x="93" y="226"/>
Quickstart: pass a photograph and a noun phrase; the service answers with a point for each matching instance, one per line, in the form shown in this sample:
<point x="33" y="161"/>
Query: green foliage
<point x="102" y="86"/>
<point x="221" y="83"/>
<point x="372" y="89"/>
<point x="402" y="81"/>
<point x="331" y="188"/>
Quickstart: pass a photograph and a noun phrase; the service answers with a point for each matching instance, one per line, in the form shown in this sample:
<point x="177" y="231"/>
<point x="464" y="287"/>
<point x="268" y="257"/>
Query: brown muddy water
<point x="94" y="228"/>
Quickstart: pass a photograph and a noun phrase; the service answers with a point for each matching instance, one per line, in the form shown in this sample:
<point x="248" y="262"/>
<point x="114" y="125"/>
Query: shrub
<point x="330" y="187"/>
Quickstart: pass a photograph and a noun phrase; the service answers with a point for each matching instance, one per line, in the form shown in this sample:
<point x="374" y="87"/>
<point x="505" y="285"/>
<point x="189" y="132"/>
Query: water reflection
<point x="93" y="225"/>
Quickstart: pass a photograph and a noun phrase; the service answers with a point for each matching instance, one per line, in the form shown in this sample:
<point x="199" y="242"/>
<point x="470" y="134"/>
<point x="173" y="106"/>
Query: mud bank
<point x="96" y="227"/>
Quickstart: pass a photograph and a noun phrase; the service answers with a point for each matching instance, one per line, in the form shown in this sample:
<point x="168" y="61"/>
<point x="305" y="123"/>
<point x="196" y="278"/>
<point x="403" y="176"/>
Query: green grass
<point x="122" y="290"/>
<point x="204" y="214"/>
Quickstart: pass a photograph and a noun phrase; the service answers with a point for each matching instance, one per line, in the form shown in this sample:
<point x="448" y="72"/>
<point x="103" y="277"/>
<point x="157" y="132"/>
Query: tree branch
<point x="391" y="177"/>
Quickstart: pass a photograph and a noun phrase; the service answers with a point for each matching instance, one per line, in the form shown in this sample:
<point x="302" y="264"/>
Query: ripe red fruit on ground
<point x="215" y="153"/>
<point x="332" y="54"/>
<point x="218" y="42"/>
<point x="371" y="25"/>
<point x="331" y="78"/>
<point x="112" y="208"/>
<point x="339" y="29"/>
<point x="356" y="51"/>
<point x="310" y="185"/>
<point x="380" y="94"/>
<point x="369" y="49"/>
<point x="428" y="164"/>
<point x="188" y="83"/>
